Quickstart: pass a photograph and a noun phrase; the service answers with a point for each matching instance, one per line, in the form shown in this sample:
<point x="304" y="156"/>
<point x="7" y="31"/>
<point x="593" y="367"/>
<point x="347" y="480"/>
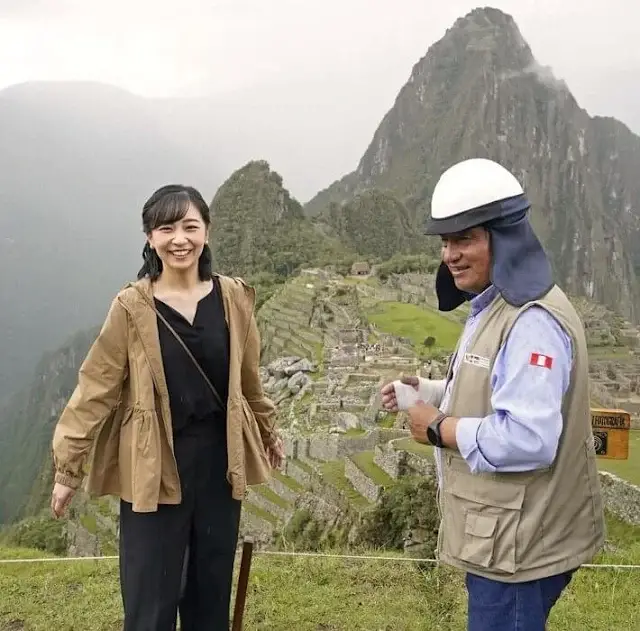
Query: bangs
<point x="168" y="209"/>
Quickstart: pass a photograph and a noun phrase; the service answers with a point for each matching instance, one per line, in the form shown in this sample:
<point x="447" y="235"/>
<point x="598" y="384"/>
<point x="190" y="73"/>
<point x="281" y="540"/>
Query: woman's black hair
<point x="169" y="204"/>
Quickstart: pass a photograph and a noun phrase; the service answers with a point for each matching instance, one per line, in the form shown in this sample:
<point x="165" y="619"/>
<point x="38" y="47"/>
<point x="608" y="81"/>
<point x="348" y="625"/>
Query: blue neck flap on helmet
<point x="520" y="269"/>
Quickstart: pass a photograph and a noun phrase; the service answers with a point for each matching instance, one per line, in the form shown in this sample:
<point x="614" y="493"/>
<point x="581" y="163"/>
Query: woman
<point x="170" y="415"/>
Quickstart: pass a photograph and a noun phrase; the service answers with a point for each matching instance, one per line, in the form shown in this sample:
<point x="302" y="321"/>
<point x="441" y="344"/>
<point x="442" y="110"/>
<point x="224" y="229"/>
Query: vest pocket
<point x="480" y="521"/>
<point x="479" y="538"/>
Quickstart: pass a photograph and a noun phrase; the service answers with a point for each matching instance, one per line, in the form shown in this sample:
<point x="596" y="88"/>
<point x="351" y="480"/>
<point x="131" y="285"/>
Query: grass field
<point x="319" y="594"/>
<point x="415" y="323"/>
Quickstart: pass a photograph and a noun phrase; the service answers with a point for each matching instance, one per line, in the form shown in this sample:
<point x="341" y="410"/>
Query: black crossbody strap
<point x="193" y="359"/>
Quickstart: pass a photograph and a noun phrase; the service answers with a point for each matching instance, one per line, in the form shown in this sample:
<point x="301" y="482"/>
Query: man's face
<point x="468" y="256"/>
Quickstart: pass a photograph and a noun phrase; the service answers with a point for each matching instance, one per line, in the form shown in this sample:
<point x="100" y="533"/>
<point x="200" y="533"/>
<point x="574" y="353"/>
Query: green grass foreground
<point x="320" y="594"/>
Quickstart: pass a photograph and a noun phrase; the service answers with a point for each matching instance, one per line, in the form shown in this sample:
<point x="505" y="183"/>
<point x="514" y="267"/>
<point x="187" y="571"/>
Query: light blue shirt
<point x="522" y="433"/>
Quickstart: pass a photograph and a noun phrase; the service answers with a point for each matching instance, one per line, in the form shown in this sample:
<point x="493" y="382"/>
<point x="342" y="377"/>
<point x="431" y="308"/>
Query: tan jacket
<point x="118" y="421"/>
<point x="516" y="527"/>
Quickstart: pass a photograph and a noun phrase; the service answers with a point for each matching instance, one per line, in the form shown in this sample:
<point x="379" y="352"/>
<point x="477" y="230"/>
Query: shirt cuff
<point x="467" y="440"/>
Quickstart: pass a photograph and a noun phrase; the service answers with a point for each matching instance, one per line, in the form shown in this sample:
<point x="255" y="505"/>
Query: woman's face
<point x="180" y="244"/>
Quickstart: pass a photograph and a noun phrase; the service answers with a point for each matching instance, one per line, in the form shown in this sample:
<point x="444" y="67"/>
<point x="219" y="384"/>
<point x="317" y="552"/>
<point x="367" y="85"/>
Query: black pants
<point x="199" y="536"/>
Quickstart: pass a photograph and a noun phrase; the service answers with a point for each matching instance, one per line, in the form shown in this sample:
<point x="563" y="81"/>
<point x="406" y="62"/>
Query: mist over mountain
<point x="77" y="162"/>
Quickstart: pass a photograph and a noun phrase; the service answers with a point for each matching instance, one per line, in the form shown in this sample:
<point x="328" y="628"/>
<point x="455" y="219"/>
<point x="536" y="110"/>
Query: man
<point x="519" y="493"/>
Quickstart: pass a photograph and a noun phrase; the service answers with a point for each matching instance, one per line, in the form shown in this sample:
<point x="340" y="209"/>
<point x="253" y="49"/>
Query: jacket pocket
<point x="125" y="439"/>
<point x="140" y="447"/>
<point x="480" y="521"/>
<point x="256" y="462"/>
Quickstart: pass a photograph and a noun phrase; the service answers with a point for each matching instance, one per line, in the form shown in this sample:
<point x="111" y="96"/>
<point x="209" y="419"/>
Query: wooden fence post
<point x="243" y="582"/>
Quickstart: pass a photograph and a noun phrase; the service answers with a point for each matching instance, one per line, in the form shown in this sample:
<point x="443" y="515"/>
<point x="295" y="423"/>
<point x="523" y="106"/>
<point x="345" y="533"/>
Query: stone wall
<point x="282" y="489"/>
<point x="80" y="542"/>
<point x="398" y="462"/>
<point x="331" y="516"/>
<point x="361" y="481"/>
<point x="621" y="497"/>
<point x="296" y="472"/>
<point x="319" y="507"/>
<point x="614" y="383"/>
<point x="390" y="460"/>
<point x="316" y="485"/>
<point x="253" y="526"/>
<point x="327" y="447"/>
<point x="419" y="465"/>
<point x="329" y="492"/>
<point x="290" y="445"/>
<point x="323" y="447"/>
<point x="257" y="499"/>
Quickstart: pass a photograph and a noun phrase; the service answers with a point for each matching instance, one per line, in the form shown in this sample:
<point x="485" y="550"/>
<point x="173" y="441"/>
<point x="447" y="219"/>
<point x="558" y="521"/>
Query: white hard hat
<point x="470" y="185"/>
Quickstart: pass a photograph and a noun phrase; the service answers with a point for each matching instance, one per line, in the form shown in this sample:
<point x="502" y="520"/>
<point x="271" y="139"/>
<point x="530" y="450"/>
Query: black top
<point x="190" y="397"/>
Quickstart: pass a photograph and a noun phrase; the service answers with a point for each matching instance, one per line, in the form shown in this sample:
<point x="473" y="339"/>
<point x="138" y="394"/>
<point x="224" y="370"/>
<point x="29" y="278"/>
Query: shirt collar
<point x="483" y="300"/>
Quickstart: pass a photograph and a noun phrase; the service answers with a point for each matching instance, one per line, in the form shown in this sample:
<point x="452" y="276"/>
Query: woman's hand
<point x="276" y="454"/>
<point x="60" y="499"/>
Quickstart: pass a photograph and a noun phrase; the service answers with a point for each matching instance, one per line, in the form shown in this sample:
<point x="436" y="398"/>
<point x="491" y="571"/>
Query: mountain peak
<point x="259" y="227"/>
<point x="479" y="92"/>
<point x="486" y="35"/>
<point x="487" y="16"/>
<point x="487" y="22"/>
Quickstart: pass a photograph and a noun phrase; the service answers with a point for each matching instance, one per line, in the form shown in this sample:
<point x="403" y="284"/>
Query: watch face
<point x="432" y="436"/>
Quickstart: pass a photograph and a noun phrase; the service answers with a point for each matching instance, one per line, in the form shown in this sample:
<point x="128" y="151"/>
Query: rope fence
<point x="358" y="557"/>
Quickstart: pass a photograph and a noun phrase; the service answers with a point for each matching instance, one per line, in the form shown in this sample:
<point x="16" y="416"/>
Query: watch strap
<point x="434" y="426"/>
<point x="438" y="419"/>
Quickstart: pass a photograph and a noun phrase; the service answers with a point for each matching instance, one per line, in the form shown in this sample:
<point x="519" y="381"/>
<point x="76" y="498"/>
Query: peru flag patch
<point x="544" y="361"/>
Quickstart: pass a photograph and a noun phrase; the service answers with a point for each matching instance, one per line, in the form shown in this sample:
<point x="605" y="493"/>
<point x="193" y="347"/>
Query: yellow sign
<point x="611" y="433"/>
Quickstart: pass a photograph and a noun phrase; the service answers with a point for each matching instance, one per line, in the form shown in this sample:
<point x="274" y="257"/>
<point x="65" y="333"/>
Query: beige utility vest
<point x="515" y="527"/>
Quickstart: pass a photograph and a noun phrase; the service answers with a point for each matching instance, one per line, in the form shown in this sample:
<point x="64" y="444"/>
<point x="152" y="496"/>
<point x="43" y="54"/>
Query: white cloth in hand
<point x="429" y="391"/>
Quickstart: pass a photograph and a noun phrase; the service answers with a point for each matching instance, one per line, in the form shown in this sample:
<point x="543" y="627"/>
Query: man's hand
<point x="60" y="499"/>
<point x="422" y="415"/>
<point x="389" y="396"/>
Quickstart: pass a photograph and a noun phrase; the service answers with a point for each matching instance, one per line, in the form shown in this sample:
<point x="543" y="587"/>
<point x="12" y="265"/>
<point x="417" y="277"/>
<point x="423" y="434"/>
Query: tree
<point x="429" y="341"/>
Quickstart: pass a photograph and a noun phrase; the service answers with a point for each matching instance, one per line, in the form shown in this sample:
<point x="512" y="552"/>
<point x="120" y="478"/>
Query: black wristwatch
<point x="433" y="431"/>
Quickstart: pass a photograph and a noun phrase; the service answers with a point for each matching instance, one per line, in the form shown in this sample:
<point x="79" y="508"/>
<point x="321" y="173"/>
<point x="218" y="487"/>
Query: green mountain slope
<point x="258" y="227"/>
<point x="376" y="225"/>
<point x="27" y="421"/>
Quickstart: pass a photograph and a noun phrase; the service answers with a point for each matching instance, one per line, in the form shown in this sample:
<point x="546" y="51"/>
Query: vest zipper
<point x="440" y="512"/>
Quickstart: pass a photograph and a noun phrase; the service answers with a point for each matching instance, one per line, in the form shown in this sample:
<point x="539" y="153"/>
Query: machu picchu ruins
<point x="329" y="342"/>
<point x="324" y="363"/>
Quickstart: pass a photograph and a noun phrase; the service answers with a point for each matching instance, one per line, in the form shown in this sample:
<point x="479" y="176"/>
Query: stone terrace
<point x="318" y="318"/>
<point x="285" y="322"/>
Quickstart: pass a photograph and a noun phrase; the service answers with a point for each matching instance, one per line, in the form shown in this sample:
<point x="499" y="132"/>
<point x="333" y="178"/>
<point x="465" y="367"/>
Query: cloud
<point x="544" y="74"/>
<point x="359" y="52"/>
<point x="37" y="10"/>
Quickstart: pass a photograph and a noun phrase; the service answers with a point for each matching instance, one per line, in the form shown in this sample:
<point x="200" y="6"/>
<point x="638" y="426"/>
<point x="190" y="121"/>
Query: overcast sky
<point x="357" y="52"/>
